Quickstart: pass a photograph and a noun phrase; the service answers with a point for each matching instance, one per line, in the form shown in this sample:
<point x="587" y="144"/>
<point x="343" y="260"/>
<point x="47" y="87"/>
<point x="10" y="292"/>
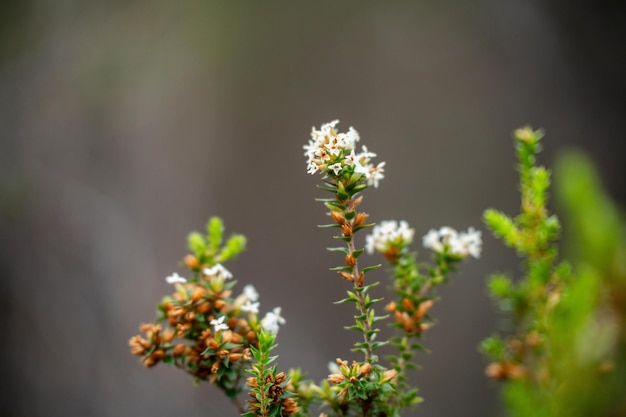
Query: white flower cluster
<point x="389" y="233"/>
<point x="251" y="296"/>
<point x="459" y="243"/>
<point x="272" y="320"/>
<point x="331" y="151"/>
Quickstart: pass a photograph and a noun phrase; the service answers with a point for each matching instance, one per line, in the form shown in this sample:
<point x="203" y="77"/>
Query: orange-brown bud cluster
<point x="188" y="312"/>
<point x="505" y="370"/>
<point x="409" y="316"/>
<point x="275" y="394"/>
<point x="154" y="339"/>
<point x="352" y="373"/>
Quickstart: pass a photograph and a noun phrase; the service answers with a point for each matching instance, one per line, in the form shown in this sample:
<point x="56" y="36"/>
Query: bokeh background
<point x="126" y="124"/>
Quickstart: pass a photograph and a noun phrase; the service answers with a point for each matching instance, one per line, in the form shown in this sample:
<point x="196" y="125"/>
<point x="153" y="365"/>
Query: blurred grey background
<point x="126" y="124"/>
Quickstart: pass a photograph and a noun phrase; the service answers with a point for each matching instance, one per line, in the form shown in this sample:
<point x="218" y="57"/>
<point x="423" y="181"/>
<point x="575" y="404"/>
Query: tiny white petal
<point x="219" y="324"/>
<point x="250" y="292"/>
<point x="175" y="278"/>
<point x="250" y="307"/>
<point x="218" y="271"/>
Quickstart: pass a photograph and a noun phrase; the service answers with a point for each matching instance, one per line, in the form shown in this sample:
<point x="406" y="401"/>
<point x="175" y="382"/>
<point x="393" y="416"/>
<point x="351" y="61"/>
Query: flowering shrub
<point x="561" y="354"/>
<point x="217" y="337"/>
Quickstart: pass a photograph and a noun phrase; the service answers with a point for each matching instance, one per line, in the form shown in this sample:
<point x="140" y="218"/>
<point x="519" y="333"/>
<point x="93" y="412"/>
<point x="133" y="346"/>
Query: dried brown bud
<point x="423" y="308"/>
<point x="338" y="217"/>
<point x="336" y="378"/>
<point x="236" y="338"/>
<point x="359" y="219"/>
<point x="391" y="307"/>
<point x="251" y="382"/>
<point x="365" y="368"/>
<point x="191" y="262"/>
<point x="350" y="260"/>
<point x="392" y="254"/>
<point x="407" y="304"/>
<point x="215" y="367"/>
<point x="346" y="229"/>
<point x="389" y="375"/>
<point x="219" y="304"/>
<point x="232" y="322"/>
<point x="168" y="335"/>
<point x="346" y="275"/>
<point x="515" y="371"/>
<point x="158" y="354"/>
<point x="280" y="378"/>
<point x="190" y="316"/>
<point x="149" y="361"/>
<point x="290" y="407"/>
<point x="361" y="280"/>
<point x="533" y="339"/>
<point x="234" y="357"/>
<point x="494" y="370"/>
<point x="197" y="293"/>
<point x="223" y="354"/>
<point x="179" y="350"/>
<point x="136" y="345"/>
<point x="357" y="201"/>
<point x="203" y="307"/>
<point x="212" y="344"/>
<point x="176" y="311"/>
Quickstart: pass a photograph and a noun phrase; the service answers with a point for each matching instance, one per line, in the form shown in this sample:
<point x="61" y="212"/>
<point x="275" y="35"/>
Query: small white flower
<point x="250" y="292"/>
<point x="272" y="320"/>
<point x="218" y="271"/>
<point x="387" y="234"/>
<point x="313" y="168"/>
<point x="361" y="169"/>
<point x="336" y="168"/>
<point x="376" y="174"/>
<point x="350" y="159"/>
<point x="175" y="278"/>
<point x="461" y="244"/>
<point x="250" y="307"/>
<point x="219" y="324"/>
<point x="431" y="241"/>
<point x="471" y="242"/>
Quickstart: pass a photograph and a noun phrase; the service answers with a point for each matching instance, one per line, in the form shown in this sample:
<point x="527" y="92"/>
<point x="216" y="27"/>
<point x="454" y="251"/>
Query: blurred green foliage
<point x="565" y="351"/>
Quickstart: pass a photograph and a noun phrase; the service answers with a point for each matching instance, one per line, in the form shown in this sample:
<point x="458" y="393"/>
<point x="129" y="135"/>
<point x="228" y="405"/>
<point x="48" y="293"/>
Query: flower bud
<point x="335" y="378"/>
<point x="338" y="217"/>
<point x="203" y="307"/>
<point x="359" y="219"/>
<point x="197" y="294"/>
<point x="389" y="375"/>
<point x="365" y="368"/>
<point x="168" y="336"/>
<point x="191" y="262"/>
<point x="179" y="350"/>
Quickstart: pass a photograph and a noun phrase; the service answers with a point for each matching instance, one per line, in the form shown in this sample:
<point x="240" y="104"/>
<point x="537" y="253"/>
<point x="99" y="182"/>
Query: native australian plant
<point x="562" y="353"/>
<point x="221" y="340"/>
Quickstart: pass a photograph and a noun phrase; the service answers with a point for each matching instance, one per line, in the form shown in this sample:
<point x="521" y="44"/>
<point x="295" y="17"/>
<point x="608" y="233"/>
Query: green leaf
<point x="502" y="226"/>
<point x="370" y="268"/>
<point x="215" y="232"/>
<point x="234" y="246"/>
<point x="196" y="243"/>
